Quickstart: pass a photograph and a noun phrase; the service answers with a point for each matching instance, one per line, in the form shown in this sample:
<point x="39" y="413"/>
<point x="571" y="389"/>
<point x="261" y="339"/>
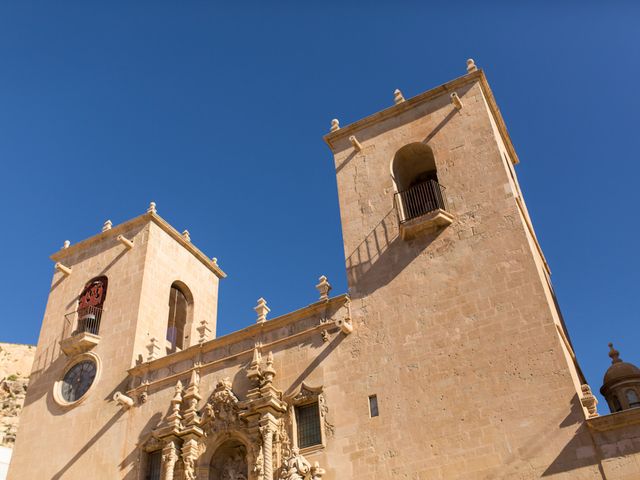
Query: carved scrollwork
<point x="222" y="409"/>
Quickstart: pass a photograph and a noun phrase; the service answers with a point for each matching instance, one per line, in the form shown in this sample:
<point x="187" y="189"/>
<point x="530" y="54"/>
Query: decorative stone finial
<point x="268" y="371"/>
<point x="335" y="125"/>
<point x="66" y="244"/>
<point x="186" y="235"/>
<point x="154" y="350"/>
<point x="203" y="331"/>
<point x="471" y="66"/>
<point x="214" y="260"/>
<point x="152" y="208"/>
<point x="614" y="354"/>
<point x="323" y="287"/>
<point x="107" y="225"/>
<point x="262" y="310"/>
<point x="177" y="395"/>
<point x="397" y="96"/>
<point x="254" y="372"/>
<point x="589" y="401"/>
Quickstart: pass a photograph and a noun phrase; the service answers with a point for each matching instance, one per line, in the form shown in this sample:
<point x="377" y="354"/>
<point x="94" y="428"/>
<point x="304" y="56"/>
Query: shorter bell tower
<point x="133" y="293"/>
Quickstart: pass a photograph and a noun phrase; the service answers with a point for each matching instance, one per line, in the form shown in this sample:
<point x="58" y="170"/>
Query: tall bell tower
<point x="458" y="316"/>
<point x="131" y="294"/>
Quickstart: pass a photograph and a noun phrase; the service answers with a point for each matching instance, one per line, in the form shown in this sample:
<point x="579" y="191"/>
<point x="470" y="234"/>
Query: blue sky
<point x="217" y="111"/>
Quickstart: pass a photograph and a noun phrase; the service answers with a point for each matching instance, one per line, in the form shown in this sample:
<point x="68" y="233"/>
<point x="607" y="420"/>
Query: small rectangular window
<point x="373" y="406"/>
<point x="308" y="425"/>
<point x="154" y="465"/>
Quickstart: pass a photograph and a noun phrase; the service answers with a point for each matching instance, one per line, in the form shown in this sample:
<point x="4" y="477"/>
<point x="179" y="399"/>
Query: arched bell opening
<point x="413" y="164"/>
<point x="90" y="305"/>
<point x="415" y="178"/>
<point x="180" y="317"/>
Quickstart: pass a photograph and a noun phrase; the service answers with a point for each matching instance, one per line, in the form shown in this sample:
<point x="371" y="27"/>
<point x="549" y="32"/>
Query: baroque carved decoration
<point x="308" y="394"/>
<point x="259" y="425"/>
<point x="222" y="410"/>
<point x="296" y="467"/>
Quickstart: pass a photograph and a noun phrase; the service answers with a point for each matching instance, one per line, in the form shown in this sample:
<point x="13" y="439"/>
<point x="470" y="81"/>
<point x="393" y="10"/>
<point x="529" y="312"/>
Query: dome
<point x="619" y="370"/>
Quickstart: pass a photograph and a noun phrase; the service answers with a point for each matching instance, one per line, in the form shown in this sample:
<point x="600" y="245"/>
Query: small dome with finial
<point x="619" y="370"/>
<point x="621" y="383"/>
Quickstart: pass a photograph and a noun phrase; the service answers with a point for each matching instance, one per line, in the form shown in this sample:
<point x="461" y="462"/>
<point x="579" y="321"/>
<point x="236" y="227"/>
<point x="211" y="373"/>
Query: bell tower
<point x="133" y="293"/>
<point x="448" y="279"/>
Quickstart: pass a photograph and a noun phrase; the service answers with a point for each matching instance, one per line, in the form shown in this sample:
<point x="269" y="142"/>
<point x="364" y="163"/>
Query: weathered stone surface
<point x="15" y="367"/>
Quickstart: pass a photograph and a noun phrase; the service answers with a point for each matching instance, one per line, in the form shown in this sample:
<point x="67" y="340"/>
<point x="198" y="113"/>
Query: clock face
<point x="77" y="380"/>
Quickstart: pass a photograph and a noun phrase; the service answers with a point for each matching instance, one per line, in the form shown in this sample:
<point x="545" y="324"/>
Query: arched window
<point x="416" y="179"/>
<point x="179" y="307"/>
<point x="413" y="164"/>
<point x="616" y="404"/>
<point x="632" y="398"/>
<point x="90" y="304"/>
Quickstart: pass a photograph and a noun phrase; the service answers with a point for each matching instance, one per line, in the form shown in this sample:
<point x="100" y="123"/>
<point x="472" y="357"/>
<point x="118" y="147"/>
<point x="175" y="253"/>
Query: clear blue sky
<point x="217" y="111"/>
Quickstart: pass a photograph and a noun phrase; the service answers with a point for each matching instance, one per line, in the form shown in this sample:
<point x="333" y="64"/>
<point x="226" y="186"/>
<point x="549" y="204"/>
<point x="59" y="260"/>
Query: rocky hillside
<point x="15" y="367"/>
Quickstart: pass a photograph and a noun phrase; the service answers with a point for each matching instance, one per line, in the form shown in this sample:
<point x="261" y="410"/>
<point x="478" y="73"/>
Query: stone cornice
<point x="446" y="88"/>
<point x="61" y="254"/>
<point x="616" y="420"/>
<point x="240" y="335"/>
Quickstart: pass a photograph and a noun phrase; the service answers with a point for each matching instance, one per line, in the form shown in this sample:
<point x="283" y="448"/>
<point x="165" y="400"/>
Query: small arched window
<point x="90" y="305"/>
<point x="632" y="398"/>
<point x="179" y="306"/>
<point x="413" y="164"/>
<point x="416" y="180"/>
<point x="617" y="407"/>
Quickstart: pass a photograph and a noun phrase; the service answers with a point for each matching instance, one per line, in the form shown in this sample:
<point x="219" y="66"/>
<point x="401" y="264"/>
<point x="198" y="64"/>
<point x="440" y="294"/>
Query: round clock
<point x="77" y="380"/>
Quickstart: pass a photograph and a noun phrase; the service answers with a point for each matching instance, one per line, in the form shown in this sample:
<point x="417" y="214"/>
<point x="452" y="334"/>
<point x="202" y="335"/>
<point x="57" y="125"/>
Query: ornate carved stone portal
<point x="250" y="437"/>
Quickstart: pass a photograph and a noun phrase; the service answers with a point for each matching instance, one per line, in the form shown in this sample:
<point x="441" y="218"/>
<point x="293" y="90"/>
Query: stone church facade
<point x="448" y="359"/>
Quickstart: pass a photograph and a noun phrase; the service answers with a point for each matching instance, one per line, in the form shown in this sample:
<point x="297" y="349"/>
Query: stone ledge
<point x="79" y="343"/>
<point x="436" y="219"/>
<point x="616" y="420"/>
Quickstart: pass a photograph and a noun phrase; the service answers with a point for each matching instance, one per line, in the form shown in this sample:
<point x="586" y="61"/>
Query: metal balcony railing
<point x="420" y="199"/>
<point x="88" y="320"/>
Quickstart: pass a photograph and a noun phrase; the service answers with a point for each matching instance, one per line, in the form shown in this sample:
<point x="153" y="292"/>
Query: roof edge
<point x="412" y="102"/>
<point x="145" y="217"/>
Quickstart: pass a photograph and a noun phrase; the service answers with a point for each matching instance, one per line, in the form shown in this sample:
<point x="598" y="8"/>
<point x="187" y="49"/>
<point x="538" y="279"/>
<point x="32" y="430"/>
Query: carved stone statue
<point x="234" y="469"/>
<point x="296" y="467"/>
<point x="189" y="468"/>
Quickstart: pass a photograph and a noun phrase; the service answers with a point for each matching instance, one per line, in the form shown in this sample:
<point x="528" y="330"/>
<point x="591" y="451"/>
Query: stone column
<point x="267" y="429"/>
<point x="169" y="459"/>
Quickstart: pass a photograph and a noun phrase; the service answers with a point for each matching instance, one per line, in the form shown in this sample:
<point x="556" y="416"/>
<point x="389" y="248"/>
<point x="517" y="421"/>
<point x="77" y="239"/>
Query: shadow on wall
<point x="98" y="435"/>
<point x="589" y="448"/>
<point x="573" y="456"/>
<point x="382" y="255"/>
<point x="337" y="340"/>
<point x="134" y="462"/>
<point x="580" y="451"/>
